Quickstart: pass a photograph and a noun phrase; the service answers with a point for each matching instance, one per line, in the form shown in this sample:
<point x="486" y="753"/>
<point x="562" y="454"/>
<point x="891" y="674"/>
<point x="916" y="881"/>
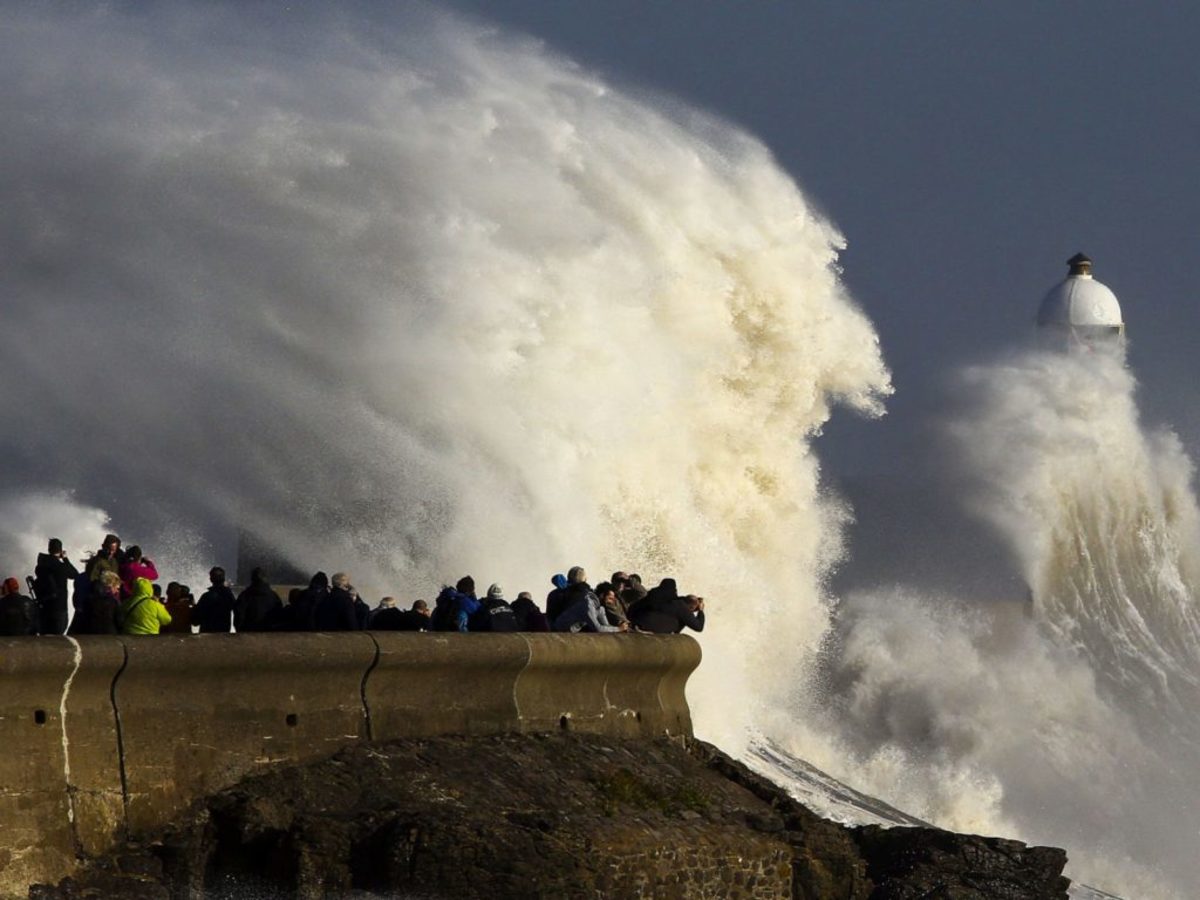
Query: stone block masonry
<point x="107" y="736"/>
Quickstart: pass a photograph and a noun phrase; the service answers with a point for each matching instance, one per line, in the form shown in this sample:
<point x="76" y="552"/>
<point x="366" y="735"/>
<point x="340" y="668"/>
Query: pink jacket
<point x="131" y="570"/>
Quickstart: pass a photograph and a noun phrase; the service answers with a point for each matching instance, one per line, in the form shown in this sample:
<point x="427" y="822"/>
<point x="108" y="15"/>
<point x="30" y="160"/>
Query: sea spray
<point x="31" y="518"/>
<point x="1067" y="717"/>
<point x="412" y="298"/>
<point x="1102" y="517"/>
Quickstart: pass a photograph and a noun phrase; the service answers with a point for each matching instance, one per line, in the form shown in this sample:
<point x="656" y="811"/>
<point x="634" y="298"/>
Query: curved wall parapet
<point x="110" y="735"/>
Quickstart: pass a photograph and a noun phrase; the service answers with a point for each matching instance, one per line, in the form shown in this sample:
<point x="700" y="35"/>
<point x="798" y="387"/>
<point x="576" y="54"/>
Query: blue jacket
<point x="465" y="606"/>
<point x="452" y="609"/>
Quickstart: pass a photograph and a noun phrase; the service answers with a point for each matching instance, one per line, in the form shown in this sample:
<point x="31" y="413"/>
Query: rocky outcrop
<point x="902" y="863"/>
<point x="912" y="863"/>
<point x="563" y="815"/>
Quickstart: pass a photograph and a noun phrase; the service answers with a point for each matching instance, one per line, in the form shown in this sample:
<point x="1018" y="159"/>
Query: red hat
<point x="12" y="586"/>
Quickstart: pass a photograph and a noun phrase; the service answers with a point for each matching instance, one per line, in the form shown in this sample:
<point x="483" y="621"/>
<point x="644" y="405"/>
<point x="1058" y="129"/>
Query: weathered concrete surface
<point x="431" y="684"/>
<point x="629" y="685"/>
<point x="35" y="809"/>
<point x="93" y="745"/>
<point x="154" y="723"/>
<point x="199" y="712"/>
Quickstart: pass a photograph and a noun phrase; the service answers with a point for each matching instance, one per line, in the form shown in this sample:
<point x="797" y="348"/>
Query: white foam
<point x="1071" y="722"/>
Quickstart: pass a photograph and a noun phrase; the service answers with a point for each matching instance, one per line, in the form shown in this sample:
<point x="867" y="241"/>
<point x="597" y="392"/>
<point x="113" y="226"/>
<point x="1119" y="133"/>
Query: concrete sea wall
<point x="107" y="736"/>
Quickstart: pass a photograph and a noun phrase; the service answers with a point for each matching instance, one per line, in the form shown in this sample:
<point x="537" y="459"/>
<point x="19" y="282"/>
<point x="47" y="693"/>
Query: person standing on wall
<point x="51" y="576"/>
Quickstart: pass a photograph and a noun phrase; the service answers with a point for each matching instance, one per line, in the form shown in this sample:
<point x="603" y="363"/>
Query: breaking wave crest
<point x="416" y="298"/>
<point x="1069" y="718"/>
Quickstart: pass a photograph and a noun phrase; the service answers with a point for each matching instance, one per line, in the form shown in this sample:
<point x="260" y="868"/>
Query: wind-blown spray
<point x="422" y="299"/>
<point x="415" y="298"/>
<point x="1072" y="719"/>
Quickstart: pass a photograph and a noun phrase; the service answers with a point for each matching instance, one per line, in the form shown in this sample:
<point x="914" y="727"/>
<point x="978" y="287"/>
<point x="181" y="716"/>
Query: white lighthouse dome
<point x="1080" y="299"/>
<point x="1080" y="308"/>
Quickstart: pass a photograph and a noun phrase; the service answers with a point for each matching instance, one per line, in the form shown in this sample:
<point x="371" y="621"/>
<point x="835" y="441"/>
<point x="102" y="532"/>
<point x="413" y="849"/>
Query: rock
<point x="835" y="862"/>
<point x="552" y="816"/>
<point x="927" y="862"/>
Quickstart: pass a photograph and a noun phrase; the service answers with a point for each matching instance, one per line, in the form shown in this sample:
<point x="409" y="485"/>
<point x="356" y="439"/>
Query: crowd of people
<point x="117" y="592"/>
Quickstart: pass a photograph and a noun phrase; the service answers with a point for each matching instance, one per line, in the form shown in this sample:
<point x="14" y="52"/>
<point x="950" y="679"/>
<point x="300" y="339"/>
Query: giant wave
<point x="414" y="297"/>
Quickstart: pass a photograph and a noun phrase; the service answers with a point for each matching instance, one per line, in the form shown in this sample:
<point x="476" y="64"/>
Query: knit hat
<point x="559" y="581"/>
<point x="495" y="592"/>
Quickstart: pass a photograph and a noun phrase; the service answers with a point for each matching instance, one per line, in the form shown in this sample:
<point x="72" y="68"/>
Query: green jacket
<point x="140" y="613"/>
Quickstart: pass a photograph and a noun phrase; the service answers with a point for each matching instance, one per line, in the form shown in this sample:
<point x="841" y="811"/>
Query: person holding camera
<point x="50" y="578"/>
<point x="663" y="611"/>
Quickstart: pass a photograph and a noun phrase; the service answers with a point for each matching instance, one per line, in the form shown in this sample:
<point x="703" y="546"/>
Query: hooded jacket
<point x="558" y="599"/>
<point x="453" y="609"/>
<point x="140" y="613"/>
<point x="585" y="613"/>
<point x="663" y="611"/>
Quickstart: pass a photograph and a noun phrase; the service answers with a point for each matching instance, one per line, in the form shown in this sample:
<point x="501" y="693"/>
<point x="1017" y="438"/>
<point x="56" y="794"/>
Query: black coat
<point x="98" y="614"/>
<point x="443" y="610"/>
<point x="663" y="611"/>
<point x="335" y="612"/>
<point x="400" y="620"/>
<point x="18" y="615"/>
<point x="557" y="601"/>
<point x="529" y="617"/>
<point x="256" y="608"/>
<point x="51" y="577"/>
<point x="214" y="610"/>
<point x="302" y="614"/>
<point x="495" y="615"/>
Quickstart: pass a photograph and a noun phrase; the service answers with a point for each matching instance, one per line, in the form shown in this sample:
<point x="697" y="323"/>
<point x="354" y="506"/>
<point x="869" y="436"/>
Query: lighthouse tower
<point x="1079" y="313"/>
